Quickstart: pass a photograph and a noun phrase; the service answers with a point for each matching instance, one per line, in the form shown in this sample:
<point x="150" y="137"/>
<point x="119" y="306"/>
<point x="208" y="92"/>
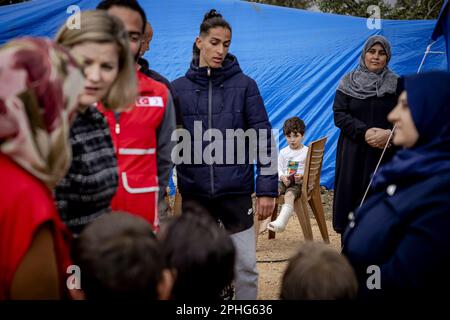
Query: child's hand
<point x="285" y="180"/>
<point x="298" y="178"/>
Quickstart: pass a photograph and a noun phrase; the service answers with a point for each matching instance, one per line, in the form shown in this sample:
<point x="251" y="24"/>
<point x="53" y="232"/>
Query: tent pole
<point x="424" y="56"/>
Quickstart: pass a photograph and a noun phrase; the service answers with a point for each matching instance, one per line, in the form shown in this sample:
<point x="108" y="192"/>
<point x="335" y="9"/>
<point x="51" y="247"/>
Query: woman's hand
<point x="298" y="178"/>
<point x="377" y="138"/>
<point x="370" y="133"/>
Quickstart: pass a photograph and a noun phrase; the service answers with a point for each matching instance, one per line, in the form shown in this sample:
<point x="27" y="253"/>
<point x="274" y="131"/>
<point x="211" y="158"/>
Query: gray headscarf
<point x="362" y="83"/>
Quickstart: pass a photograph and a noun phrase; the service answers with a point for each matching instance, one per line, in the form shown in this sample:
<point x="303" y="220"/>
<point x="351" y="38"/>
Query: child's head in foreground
<point x="120" y="258"/>
<point x="318" y="272"/>
<point x="201" y="254"/>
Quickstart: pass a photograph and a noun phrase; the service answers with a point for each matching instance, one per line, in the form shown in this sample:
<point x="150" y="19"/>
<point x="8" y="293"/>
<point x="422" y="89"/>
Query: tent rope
<point x="378" y="164"/>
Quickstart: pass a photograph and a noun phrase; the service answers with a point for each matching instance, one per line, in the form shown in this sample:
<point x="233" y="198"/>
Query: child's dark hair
<point x="318" y="272"/>
<point x="202" y="254"/>
<point x="212" y="19"/>
<point x="119" y="258"/>
<point x="130" y="4"/>
<point x="294" y="125"/>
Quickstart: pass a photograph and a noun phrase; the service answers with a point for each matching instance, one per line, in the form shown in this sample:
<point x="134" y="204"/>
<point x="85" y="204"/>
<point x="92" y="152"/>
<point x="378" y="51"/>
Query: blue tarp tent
<point x="297" y="57"/>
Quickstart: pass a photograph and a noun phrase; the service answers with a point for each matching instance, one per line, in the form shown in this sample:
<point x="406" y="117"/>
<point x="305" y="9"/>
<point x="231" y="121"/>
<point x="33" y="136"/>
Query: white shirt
<point x="292" y="161"/>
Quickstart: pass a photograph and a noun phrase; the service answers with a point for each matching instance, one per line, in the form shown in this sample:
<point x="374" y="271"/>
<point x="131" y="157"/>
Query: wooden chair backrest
<point x="313" y="167"/>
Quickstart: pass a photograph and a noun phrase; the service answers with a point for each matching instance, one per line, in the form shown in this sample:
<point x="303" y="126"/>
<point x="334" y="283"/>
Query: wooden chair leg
<point x="256" y="225"/>
<point x="316" y="205"/>
<point x="273" y="218"/>
<point x="302" y="213"/>
<point x="167" y="200"/>
<point x="307" y="219"/>
<point x="177" y="207"/>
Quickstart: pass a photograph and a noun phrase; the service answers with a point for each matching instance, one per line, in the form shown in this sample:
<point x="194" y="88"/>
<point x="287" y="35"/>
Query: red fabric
<point x="25" y="205"/>
<point x="136" y="132"/>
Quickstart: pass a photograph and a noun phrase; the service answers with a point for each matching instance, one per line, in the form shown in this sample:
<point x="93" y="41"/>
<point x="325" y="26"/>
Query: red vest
<point x="26" y="204"/>
<point x="134" y="136"/>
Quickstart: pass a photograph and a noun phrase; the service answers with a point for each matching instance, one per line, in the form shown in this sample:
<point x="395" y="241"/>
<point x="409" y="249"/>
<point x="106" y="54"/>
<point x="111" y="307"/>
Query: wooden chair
<point x="310" y="193"/>
<point x="175" y="206"/>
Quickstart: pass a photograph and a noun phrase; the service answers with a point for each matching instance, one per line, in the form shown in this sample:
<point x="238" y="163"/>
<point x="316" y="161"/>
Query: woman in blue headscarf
<point x="404" y="228"/>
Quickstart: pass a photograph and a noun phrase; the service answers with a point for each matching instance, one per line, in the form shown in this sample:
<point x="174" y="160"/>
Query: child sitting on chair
<point x="291" y="165"/>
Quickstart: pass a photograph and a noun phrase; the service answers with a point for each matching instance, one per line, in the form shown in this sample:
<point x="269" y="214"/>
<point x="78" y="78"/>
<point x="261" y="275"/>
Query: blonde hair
<point x="98" y="26"/>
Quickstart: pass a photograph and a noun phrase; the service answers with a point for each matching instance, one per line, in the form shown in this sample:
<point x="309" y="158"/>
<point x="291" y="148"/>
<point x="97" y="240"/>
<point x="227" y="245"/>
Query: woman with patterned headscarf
<point x="39" y="88"/>
<point x="403" y="228"/>
<point x="363" y="99"/>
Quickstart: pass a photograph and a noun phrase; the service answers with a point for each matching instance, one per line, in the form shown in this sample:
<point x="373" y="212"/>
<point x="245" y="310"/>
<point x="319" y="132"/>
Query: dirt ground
<point x="271" y="254"/>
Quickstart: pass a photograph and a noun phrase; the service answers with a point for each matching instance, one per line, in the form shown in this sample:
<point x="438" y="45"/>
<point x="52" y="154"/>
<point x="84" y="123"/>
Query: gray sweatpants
<point x="246" y="275"/>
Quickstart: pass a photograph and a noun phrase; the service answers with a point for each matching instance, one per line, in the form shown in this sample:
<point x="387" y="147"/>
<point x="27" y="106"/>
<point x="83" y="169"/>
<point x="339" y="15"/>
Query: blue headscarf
<point x="429" y="103"/>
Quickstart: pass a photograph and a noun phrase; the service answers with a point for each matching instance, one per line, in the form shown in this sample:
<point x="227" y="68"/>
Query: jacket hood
<point x="199" y="75"/>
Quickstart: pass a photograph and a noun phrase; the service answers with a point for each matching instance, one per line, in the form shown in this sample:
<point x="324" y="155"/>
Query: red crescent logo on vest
<point x="144" y="101"/>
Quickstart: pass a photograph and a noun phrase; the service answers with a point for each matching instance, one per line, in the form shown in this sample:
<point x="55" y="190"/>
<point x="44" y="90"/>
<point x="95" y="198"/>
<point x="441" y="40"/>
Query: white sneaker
<point x="283" y="218"/>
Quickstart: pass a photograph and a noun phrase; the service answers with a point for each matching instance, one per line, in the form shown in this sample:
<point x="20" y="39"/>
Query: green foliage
<point x="352" y="7"/>
<point x="402" y="10"/>
<point x="299" y="4"/>
<point x="413" y="9"/>
<point x="7" y="2"/>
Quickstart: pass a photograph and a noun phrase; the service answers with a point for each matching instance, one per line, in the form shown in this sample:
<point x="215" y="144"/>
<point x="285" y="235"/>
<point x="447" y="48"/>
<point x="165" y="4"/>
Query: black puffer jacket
<point x="221" y="99"/>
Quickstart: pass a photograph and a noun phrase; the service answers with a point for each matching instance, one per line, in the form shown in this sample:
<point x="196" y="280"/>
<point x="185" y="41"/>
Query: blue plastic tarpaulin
<point x="297" y="57"/>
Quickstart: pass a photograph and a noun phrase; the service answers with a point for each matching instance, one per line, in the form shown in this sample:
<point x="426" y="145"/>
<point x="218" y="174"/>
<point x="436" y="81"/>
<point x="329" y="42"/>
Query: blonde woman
<point x="101" y="44"/>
